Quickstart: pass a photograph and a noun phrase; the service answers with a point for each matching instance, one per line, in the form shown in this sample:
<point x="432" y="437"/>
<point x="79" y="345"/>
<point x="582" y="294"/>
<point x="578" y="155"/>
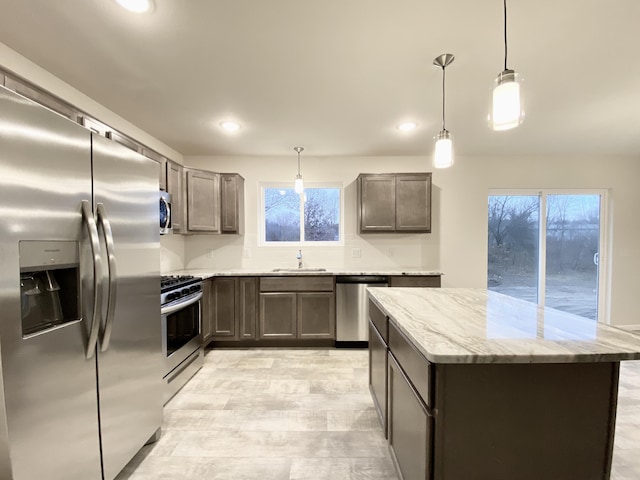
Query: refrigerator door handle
<point x="90" y="222"/>
<point x="112" y="294"/>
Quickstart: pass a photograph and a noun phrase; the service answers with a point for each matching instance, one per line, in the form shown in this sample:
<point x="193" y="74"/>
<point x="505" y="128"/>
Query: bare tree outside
<point x="281" y="215"/>
<point x="322" y="215"/>
<point x="284" y="217"/>
<point x="571" y="243"/>
<point x="513" y="245"/>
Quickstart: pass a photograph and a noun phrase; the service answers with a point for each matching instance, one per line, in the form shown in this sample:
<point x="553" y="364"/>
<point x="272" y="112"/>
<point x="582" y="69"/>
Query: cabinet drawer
<point x="297" y="284"/>
<point x="416" y="367"/>
<point x="380" y="320"/>
<point x="415" y="281"/>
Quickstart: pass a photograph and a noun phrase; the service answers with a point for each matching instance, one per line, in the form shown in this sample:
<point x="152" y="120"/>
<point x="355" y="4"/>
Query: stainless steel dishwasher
<point x="352" y="308"/>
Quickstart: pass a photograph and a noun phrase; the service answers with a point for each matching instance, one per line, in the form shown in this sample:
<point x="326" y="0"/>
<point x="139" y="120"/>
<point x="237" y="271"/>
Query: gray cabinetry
<point x="278" y="311"/>
<point x="415" y="281"/>
<point x="231" y="203"/>
<point x="223" y="300"/>
<point x="316" y="313"/>
<point x="413" y="202"/>
<point x="297" y="307"/>
<point x="234" y="308"/>
<point x="174" y="186"/>
<point x="377" y="203"/>
<point x="378" y="373"/>
<point x="206" y="312"/>
<point x="410" y="426"/>
<point x="162" y="163"/>
<point x="394" y="202"/>
<point x="42" y="97"/>
<point x="203" y="201"/>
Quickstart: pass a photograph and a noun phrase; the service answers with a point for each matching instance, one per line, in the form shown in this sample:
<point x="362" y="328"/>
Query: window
<point x="545" y="247"/>
<point x="313" y="217"/>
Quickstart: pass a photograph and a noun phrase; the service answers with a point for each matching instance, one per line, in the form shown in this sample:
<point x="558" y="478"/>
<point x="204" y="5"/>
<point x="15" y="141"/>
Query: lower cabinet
<point x="409" y="426"/>
<point x="378" y="373"/>
<point x="233" y="308"/>
<point x="297" y="307"/>
<point x="278" y="314"/>
<point x="316" y="314"/>
<point x="300" y="315"/>
<point x="206" y="313"/>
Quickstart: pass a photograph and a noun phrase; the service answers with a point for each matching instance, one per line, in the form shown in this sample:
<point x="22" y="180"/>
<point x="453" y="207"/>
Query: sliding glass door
<point x="545" y="247"/>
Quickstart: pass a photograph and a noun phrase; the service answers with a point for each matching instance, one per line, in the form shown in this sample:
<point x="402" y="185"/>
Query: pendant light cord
<point x="505" y="34"/>
<point x="298" y="163"/>
<point x="443" y="70"/>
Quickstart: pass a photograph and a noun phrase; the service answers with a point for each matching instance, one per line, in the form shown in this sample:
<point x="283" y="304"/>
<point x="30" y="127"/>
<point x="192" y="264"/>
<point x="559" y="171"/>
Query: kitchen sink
<point x="291" y="270"/>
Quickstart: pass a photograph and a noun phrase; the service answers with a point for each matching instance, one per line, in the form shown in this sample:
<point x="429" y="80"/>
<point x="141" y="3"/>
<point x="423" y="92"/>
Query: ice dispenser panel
<point x="49" y="284"/>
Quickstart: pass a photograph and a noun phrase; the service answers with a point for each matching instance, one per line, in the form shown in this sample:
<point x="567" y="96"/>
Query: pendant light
<point x="507" y="110"/>
<point x="298" y="186"/>
<point x="443" y="152"/>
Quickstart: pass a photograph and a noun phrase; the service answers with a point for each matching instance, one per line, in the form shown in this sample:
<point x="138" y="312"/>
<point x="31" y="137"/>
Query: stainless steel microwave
<point x="165" y="213"/>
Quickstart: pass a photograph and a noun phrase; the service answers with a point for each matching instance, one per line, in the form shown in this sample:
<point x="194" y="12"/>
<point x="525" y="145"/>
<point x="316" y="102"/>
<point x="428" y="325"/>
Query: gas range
<point x="178" y="288"/>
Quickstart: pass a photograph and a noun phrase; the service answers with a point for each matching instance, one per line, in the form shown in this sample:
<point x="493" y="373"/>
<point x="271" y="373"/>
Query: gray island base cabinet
<point x="495" y="415"/>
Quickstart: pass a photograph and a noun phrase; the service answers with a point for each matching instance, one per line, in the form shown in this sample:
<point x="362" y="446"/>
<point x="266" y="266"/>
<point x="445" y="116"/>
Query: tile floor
<point x="302" y="414"/>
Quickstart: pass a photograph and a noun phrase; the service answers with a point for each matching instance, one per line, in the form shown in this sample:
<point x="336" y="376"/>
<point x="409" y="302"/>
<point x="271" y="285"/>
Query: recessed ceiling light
<point x="137" y="6"/>
<point x="230" y="126"/>
<point x="407" y="126"/>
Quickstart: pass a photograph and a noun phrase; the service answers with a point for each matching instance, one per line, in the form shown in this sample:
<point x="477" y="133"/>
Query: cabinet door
<point x="231" y="203"/>
<point x="378" y="374"/>
<point x="224" y="307"/>
<point x="203" y="201"/>
<point x="162" y="166"/>
<point x="175" y="188"/>
<point x="377" y="199"/>
<point x="206" y="312"/>
<point x="432" y="281"/>
<point x="316" y="315"/>
<point x="413" y="203"/>
<point x="410" y="426"/>
<point x="277" y="315"/>
<point x="248" y="307"/>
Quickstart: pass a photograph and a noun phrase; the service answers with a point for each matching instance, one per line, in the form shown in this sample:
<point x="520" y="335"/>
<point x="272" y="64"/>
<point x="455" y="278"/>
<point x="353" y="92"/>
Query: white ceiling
<point x="337" y="76"/>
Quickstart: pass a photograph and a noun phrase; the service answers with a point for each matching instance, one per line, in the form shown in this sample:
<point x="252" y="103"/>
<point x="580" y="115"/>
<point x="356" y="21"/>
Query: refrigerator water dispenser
<point x="49" y="285"/>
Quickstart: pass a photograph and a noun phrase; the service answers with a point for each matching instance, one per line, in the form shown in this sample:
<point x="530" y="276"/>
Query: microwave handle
<point x="89" y="221"/>
<point x="112" y="294"/>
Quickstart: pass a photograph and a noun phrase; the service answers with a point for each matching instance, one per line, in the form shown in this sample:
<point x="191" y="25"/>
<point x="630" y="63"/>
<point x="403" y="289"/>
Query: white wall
<point x="458" y="244"/>
<point x="21" y="66"/>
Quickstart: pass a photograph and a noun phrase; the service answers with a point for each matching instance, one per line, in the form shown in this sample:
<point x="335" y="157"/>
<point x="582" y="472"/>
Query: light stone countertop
<point x="268" y="272"/>
<point x="468" y="325"/>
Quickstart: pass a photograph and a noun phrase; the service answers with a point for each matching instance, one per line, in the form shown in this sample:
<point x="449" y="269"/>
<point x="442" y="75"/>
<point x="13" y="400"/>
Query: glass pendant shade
<point x="298" y="186"/>
<point x="507" y="110"/>
<point x="443" y="151"/>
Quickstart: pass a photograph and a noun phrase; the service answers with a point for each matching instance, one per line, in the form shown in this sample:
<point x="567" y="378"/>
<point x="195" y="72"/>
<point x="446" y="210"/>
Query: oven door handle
<point x="112" y="294"/>
<point x="174" y="308"/>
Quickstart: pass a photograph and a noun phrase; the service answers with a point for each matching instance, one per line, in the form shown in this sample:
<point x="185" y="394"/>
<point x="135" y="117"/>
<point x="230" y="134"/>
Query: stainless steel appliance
<point x="181" y="309"/>
<point x="352" y="308"/>
<point x="81" y="359"/>
<point x="166" y="224"/>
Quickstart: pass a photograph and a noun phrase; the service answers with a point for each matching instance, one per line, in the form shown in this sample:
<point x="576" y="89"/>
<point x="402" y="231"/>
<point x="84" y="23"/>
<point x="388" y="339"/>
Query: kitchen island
<point x="474" y="385"/>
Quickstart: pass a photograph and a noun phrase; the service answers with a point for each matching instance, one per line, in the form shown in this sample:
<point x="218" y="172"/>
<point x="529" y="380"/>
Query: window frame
<point x="262" y="241"/>
<point x="604" y="253"/>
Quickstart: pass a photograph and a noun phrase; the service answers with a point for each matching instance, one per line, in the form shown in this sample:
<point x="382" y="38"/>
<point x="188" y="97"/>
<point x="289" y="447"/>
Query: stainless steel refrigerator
<point x="80" y="334"/>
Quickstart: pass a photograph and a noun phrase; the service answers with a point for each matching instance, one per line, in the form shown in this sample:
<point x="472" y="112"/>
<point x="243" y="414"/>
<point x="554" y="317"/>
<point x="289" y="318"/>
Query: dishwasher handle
<point x="362" y="279"/>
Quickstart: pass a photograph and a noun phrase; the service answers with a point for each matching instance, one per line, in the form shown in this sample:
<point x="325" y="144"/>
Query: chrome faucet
<point x="299" y="257"/>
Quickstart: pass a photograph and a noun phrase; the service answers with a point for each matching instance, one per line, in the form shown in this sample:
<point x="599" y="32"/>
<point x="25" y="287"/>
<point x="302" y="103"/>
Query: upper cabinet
<point x="162" y="166"/>
<point x="175" y="179"/>
<point x="232" y="203"/>
<point x="394" y="203"/>
<point x="203" y="201"/>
